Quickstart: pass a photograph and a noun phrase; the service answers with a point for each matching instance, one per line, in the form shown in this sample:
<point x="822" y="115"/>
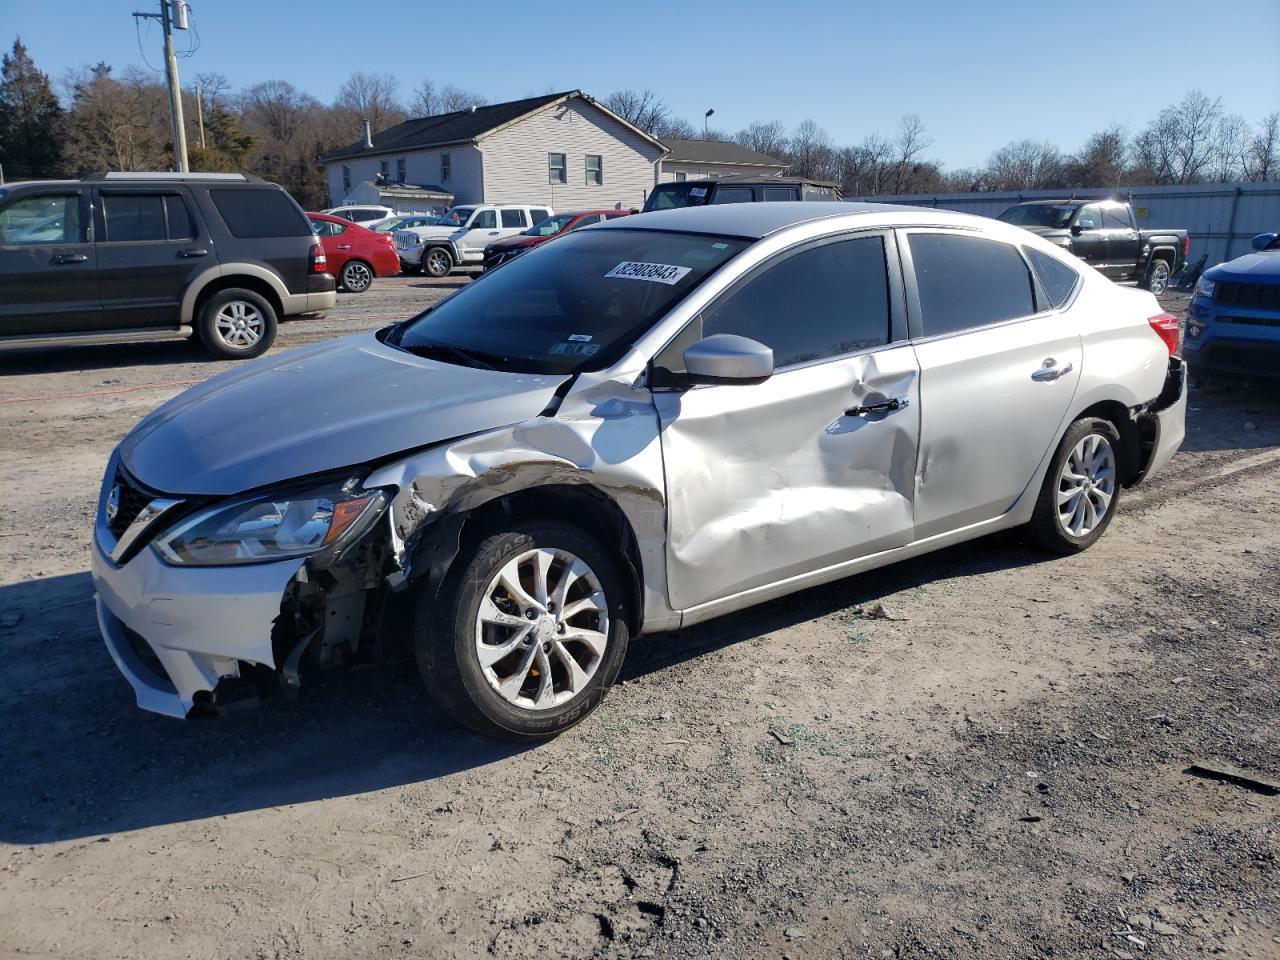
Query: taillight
<point x="1186" y="245"/>
<point x="319" y="262"/>
<point x="1168" y="328"/>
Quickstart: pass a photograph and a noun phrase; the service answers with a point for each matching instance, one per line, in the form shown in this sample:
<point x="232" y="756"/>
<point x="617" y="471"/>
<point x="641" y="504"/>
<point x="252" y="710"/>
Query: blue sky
<point x="978" y="74"/>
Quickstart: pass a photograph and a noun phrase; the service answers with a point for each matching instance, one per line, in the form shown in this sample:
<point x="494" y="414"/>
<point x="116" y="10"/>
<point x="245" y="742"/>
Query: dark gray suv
<point x="121" y="257"/>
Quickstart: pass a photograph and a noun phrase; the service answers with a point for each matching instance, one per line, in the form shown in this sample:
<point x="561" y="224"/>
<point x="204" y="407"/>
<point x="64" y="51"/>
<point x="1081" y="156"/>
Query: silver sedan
<point x="641" y="426"/>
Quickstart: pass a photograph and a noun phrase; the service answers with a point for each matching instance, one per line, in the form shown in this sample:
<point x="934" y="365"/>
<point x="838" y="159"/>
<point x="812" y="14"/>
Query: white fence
<point x="1221" y="217"/>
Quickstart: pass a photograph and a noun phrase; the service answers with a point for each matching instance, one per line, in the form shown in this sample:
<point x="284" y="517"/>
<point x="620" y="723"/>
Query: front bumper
<point x="174" y="632"/>
<point x="410" y="256"/>
<point x="1232" y="339"/>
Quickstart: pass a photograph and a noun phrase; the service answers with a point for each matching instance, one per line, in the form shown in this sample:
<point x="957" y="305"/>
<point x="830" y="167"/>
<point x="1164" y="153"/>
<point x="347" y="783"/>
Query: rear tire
<point x="500" y="660"/>
<point x="1081" y="489"/>
<point x="356" y="276"/>
<point x="1157" y="278"/>
<point x="236" y="324"/>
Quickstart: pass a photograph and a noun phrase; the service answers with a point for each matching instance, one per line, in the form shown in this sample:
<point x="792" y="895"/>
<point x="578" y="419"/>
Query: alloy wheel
<point x="439" y="263"/>
<point x="542" y="628"/>
<point x="1086" y="485"/>
<point x="356" y="277"/>
<point x="1159" y="277"/>
<point x="239" y="324"/>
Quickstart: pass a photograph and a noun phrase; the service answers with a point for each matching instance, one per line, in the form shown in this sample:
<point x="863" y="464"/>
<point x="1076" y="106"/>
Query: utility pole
<point x="167" y="16"/>
<point x="200" y="117"/>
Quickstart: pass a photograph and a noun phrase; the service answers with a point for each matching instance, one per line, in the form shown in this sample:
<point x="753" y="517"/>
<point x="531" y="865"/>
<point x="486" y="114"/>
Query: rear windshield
<point x="1039" y="215"/>
<point x="668" y="196"/>
<point x="259" y="214"/>
<point x="575" y="304"/>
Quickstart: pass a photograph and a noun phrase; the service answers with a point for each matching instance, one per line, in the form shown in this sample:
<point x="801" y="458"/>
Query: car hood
<point x="518" y="242"/>
<point x="320" y="408"/>
<point x="1261" y="267"/>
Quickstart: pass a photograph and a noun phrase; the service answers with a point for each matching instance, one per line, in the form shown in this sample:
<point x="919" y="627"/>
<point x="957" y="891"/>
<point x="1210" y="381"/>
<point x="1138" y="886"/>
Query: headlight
<point x="1204" y="287"/>
<point x="273" y="526"/>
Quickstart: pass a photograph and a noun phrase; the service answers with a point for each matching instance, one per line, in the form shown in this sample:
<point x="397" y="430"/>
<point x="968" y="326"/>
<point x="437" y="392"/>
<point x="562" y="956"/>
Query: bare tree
<point x="1103" y="161"/>
<point x="1262" y="157"/>
<point x="276" y="110"/>
<point x="372" y="97"/>
<point x="810" y="151"/>
<point x="766" y="137"/>
<point x="215" y="90"/>
<point x="457" y="98"/>
<point x="1025" y="165"/>
<point x="910" y="144"/>
<point x="117" y="124"/>
<point x="1178" y="145"/>
<point x="1230" y="141"/>
<point x="643" y="109"/>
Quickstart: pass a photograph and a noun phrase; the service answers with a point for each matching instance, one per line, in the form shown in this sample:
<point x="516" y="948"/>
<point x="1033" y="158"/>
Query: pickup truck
<point x="1104" y="235"/>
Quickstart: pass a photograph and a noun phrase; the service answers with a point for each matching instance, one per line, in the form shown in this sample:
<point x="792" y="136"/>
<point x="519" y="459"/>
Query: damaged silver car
<point x="643" y="425"/>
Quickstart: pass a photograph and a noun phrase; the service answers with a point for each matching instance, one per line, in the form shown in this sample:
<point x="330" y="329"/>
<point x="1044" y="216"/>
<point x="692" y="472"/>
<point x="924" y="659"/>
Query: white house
<point x="563" y="150"/>
<point x="693" y="159"/>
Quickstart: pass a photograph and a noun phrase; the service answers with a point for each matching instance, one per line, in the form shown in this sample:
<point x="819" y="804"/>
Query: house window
<point x="446" y="168"/>
<point x="346" y="179"/>
<point x="400" y="169"/>
<point x="681" y="177"/>
<point x="595" y="169"/>
<point x="383" y="168"/>
<point x="556" y="169"/>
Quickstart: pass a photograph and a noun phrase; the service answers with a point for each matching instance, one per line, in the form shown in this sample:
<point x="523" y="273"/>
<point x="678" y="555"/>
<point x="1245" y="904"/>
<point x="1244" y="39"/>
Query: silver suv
<point x="640" y="426"/>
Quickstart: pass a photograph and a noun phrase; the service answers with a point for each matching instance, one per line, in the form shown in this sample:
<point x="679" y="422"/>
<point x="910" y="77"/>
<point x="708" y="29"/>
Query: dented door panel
<point x="773" y="480"/>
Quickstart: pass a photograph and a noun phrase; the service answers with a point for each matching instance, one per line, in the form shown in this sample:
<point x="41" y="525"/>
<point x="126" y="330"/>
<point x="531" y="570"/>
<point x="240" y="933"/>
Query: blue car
<point x="1233" y="324"/>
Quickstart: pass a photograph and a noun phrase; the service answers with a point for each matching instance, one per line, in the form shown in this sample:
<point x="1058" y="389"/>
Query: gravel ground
<point x="982" y="752"/>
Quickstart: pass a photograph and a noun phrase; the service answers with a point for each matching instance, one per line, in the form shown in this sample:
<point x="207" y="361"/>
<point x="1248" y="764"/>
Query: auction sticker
<point x="653" y="272"/>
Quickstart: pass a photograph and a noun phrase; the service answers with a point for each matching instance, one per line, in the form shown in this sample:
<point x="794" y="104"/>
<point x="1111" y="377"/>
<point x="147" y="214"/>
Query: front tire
<point x="437" y="262"/>
<point x="1081" y="489"/>
<point x="236" y="324"/>
<point x="1157" y="279"/>
<point x="356" y="276"/>
<point x="526" y="634"/>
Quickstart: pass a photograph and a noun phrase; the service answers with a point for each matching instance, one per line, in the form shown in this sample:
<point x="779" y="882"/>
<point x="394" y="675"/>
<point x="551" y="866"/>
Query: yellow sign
<point x="1141" y="211"/>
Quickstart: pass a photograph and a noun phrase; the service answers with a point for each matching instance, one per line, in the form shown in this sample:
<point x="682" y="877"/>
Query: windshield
<point x="1056" y="216"/>
<point x="572" y="305"/>
<point x="457" y="216"/>
<point x="668" y="196"/>
<point x="550" y="226"/>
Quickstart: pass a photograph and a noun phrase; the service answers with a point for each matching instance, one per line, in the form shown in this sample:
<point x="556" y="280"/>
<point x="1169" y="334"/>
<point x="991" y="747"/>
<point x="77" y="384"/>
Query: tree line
<point x="104" y="119"/>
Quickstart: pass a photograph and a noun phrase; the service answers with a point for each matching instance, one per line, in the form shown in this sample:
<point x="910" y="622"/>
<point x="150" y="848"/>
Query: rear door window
<point x="260" y="214"/>
<point x="965" y="282"/>
<point x="732" y="195"/>
<point x="825" y="301"/>
<point x="772" y="194"/>
<point x="514" y="218"/>
<point x="134" y="217"/>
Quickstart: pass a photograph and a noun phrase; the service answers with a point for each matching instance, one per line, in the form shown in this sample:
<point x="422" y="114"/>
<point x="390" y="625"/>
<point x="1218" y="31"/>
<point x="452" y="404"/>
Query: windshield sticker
<point x="667" y="273"/>
<point x="698" y="192"/>
<point x="580" y="337"/>
<point x="574" y="349"/>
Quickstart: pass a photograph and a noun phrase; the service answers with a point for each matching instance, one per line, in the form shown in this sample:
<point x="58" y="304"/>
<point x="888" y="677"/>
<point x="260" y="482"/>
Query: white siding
<point x="515" y="160"/>
<point x="422" y="167"/>
<point x="693" y="171"/>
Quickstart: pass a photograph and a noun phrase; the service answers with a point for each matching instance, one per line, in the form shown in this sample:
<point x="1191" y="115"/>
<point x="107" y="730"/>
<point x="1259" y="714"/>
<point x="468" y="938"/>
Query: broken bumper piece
<point x="180" y="633"/>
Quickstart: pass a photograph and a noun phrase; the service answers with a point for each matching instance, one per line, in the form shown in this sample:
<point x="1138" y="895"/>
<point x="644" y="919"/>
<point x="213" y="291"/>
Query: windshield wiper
<point x="471" y="358"/>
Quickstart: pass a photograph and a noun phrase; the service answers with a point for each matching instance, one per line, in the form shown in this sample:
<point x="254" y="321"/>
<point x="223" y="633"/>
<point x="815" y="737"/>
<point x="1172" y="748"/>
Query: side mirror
<point x="726" y="358"/>
<point x="1076" y="229"/>
<point x="1265" y="241"/>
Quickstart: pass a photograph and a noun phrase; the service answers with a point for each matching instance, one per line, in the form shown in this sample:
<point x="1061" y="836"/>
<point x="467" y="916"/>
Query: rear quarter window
<point x="1058" y="279"/>
<point x="260" y="214"/>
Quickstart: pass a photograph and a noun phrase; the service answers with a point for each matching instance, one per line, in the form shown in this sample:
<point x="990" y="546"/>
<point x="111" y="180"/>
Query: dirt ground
<point x="997" y="768"/>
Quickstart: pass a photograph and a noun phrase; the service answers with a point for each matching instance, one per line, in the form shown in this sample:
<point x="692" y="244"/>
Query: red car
<point x="356" y="255"/>
<point x="508" y="248"/>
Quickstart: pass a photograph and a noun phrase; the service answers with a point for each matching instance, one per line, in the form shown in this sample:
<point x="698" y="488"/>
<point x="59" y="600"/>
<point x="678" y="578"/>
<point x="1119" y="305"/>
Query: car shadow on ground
<point x="68" y="359"/>
<point x="81" y="760"/>
<point x="1231" y="413"/>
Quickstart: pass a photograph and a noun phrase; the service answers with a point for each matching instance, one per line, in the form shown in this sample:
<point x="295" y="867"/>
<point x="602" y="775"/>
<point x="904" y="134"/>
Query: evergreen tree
<point x="31" y="119"/>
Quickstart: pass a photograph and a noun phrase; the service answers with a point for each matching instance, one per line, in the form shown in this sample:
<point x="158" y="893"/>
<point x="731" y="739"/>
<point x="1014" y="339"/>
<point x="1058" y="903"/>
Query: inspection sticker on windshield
<point x="653" y="272"/>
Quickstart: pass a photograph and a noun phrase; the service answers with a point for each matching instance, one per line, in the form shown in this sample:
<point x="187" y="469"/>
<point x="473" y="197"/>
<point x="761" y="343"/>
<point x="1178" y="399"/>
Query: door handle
<point x="344" y="246"/>
<point x="70" y="258"/>
<point x="1051" y="371"/>
<point x="193" y="252"/>
<point x="885" y="406"/>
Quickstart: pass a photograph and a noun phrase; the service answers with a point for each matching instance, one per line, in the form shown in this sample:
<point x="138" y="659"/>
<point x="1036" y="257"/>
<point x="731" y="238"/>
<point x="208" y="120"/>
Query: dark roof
<point x="717" y="151"/>
<point x="745" y="178"/>
<point x="457" y="127"/>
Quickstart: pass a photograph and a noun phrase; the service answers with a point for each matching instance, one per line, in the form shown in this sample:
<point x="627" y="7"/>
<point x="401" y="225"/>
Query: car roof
<point x="1076" y="200"/>
<point x="740" y="179"/>
<point x="584" y="213"/>
<point x="755" y="220"/>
